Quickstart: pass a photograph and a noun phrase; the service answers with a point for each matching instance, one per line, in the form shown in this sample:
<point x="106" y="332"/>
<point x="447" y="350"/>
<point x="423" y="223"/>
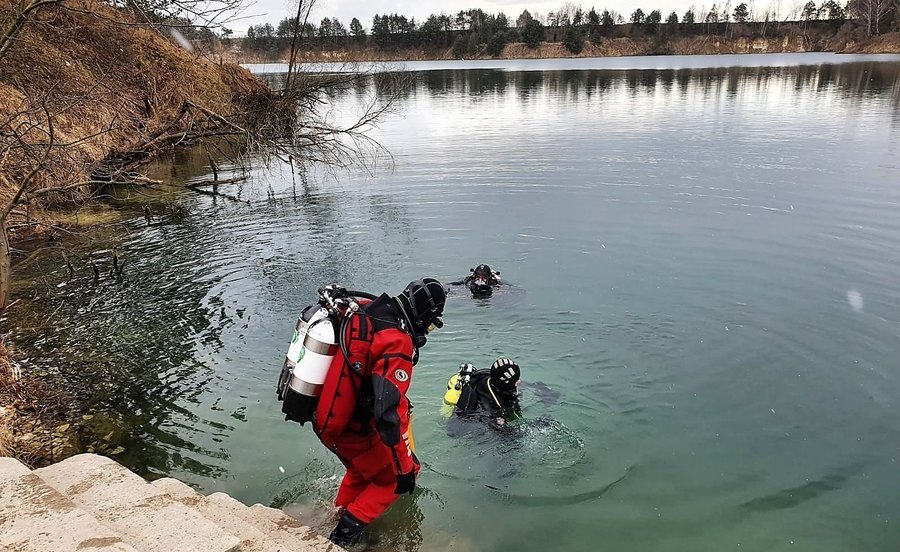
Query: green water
<point x="703" y="263"/>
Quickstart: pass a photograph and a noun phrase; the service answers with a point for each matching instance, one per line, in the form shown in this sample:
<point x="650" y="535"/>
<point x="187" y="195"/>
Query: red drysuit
<point x="363" y="413"/>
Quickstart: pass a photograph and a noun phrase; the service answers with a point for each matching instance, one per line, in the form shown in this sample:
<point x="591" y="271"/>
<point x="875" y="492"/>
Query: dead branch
<point x="28" y="179"/>
<point x="94" y="268"/>
<point x="202" y="183"/>
<point x="212" y="165"/>
<point x="219" y="194"/>
<point x="68" y="264"/>
<point x="156" y="135"/>
<point x="10" y="33"/>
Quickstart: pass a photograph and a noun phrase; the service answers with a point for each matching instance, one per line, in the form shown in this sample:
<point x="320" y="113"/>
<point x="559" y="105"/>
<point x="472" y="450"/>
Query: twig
<point x="212" y="164"/>
<point x="68" y="264"/>
<point x="232" y="180"/>
<point x="219" y="194"/>
<point x="47" y="321"/>
<point x="94" y="267"/>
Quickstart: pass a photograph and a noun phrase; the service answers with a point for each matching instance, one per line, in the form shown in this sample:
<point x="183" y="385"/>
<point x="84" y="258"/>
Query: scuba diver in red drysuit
<point x="363" y="413"/>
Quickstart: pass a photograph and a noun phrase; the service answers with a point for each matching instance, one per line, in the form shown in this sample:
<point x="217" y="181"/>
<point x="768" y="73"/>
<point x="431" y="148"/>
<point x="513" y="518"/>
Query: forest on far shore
<point x="472" y="32"/>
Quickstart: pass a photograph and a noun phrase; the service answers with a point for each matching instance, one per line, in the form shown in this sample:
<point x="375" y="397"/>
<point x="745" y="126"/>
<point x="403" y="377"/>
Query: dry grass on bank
<point x="108" y="86"/>
<point x="884" y="44"/>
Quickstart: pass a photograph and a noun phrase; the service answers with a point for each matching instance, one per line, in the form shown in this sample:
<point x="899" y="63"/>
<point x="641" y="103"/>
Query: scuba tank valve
<point x="455" y="385"/>
<point x="465" y="375"/>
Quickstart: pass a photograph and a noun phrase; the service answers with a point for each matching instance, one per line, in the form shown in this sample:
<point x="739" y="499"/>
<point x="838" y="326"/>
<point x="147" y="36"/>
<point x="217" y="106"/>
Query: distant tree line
<point x="476" y="32"/>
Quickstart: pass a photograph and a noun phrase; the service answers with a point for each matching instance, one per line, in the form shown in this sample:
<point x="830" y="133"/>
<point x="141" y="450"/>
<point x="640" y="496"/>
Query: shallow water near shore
<point x="703" y="263"/>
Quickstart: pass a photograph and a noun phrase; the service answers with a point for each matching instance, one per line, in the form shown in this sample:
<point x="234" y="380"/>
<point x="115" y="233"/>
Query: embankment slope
<point x="107" y="85"/>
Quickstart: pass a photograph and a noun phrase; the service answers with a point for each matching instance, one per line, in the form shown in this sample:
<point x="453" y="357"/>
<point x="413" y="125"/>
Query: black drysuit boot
<point x="347" y="531"/>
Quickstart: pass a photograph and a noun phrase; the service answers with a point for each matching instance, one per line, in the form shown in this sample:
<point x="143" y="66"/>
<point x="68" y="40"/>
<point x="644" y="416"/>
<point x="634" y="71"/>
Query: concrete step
<point x="280" y="527"/>
<point x="34" y="517"/>
<point x="252" y="538"/>
<point x="10" y="468"/>
<point x="146" y="517"/>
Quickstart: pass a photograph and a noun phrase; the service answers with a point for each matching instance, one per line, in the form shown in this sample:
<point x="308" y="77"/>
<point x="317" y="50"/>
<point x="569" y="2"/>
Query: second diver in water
<point x="481" y="282"/>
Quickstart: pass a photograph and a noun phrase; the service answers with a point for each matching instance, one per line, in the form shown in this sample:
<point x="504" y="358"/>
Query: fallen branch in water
<point x="215" y="193"/>
<point x="120" y="179"/>
<point x="232" y="180"/>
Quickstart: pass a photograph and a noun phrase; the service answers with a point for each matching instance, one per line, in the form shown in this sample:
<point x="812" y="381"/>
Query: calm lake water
<point x="704" y="263"/>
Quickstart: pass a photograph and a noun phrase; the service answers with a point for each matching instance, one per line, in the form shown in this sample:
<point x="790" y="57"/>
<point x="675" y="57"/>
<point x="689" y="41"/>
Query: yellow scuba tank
<point x="451" y="397"/>
<point x="453" y="391"/>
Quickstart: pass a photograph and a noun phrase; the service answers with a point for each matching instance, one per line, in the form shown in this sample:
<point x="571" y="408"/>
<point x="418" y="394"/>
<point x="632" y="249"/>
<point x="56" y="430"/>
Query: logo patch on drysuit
<point x="401" y="375"/>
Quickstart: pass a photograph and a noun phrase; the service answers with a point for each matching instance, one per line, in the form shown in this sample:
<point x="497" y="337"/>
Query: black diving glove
<point x="406" y="482"/>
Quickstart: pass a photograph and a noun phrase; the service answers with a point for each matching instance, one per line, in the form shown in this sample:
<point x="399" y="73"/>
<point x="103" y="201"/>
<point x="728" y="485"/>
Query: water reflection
<point x="128" y="348"/>
<point x="854" y="81"/>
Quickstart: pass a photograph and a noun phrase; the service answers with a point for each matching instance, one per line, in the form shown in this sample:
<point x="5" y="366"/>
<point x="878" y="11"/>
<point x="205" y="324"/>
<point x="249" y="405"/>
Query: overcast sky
<point x="272" y="11"/>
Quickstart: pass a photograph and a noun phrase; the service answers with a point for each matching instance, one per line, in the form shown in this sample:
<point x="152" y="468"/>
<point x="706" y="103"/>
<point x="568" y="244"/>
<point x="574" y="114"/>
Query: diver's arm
<point x="391" y="374"/>
<point x="515" y="409"/>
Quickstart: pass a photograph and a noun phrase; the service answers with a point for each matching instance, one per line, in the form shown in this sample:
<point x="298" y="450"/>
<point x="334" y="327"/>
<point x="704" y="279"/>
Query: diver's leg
<point x="379" y="494"/>
<point x="351" y="486"/>
<point x="376" y="498"/>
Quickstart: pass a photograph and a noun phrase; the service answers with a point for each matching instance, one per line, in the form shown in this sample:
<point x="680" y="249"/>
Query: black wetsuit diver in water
<point x="481" y="282"/>
<point x="492" y="393"/>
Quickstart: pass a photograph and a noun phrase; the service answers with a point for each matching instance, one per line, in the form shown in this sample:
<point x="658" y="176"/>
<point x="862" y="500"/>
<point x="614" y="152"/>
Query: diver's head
<point x="423" y="301"/>
<point x="482" y="271"/>
<point x="482" y="278"/>
<point x="505" y="374"/>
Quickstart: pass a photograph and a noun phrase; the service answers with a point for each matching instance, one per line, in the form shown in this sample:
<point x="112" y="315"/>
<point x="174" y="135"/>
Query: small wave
<point x="535" y="236"/>
<point x="538" y="500"/>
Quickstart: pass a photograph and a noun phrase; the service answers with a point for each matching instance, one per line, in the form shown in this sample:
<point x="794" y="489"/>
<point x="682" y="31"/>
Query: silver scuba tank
<point x="309" y="356"/>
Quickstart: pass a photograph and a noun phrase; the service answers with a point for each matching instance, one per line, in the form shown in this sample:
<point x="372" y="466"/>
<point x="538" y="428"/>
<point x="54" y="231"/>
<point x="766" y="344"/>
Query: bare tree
<point x="566" y="13"/>
<point x="18" y="19"/>
<point x="874" y="15"/>
<point x="29" y="146"/>
<point x="294" y="124"/>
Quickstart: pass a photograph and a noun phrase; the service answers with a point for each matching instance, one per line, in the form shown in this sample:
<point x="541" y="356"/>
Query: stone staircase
<point x="90" y="503"/>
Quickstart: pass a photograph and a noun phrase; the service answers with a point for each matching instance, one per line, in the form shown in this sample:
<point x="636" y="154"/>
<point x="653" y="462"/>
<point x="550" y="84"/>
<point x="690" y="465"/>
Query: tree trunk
<point x="298" y="29"/>
<point x="4" y="266"/>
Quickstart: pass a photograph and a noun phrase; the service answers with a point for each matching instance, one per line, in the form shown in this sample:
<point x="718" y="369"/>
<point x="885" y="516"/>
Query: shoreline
<point x="608" y="48"/>
<point x="607" y="63"/>
<point x="106" y="132"/>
